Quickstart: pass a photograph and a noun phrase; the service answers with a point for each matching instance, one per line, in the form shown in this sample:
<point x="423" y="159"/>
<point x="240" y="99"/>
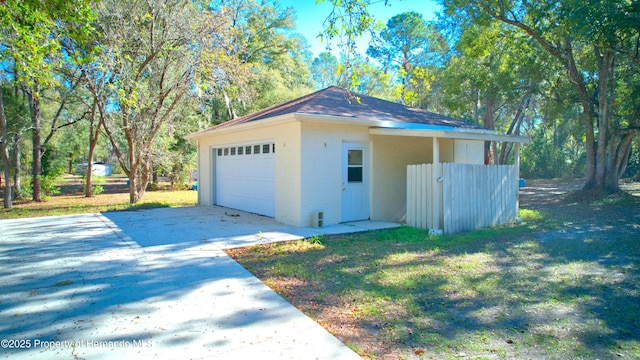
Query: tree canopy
<point x="124" y="81"/>
<point x="592" y="45"/>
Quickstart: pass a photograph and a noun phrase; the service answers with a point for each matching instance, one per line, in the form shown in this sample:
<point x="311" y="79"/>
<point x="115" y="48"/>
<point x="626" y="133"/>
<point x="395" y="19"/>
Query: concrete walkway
<point x="150" y="284"/>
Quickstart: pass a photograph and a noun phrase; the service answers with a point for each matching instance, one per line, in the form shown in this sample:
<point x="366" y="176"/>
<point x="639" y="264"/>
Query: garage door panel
<point x="246" y="182"/>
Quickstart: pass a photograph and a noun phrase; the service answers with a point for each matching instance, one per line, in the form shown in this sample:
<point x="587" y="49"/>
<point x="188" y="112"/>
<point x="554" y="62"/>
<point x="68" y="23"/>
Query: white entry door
<point x="355" y="181"/>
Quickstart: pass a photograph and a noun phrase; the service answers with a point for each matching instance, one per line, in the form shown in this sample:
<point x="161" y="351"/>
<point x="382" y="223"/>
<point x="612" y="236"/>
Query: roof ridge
<point x="339" y="102"/>
<point x="279" y="107"/>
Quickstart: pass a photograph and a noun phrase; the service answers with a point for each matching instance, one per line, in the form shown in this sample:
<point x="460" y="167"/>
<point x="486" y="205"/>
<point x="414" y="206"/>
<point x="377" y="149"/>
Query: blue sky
<point x="311" y="16"/>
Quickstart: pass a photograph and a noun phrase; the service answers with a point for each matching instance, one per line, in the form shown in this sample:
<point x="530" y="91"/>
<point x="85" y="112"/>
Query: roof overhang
<point x="287" y="118"/>
<point x="448" y="133"/>
<point x="376" y="127"/>
<point x="276" y="120"/>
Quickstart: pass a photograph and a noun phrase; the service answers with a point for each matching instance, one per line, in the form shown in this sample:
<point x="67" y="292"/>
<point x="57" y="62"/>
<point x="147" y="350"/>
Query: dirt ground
<point x="555" y="196"/>
<point x="116" y="184"/>
<point x="565" y="292"/>
<point x="73" y="185"/>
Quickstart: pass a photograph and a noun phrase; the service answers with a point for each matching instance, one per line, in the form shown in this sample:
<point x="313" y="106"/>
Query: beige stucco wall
<point x="321" y="168"/>
<point x="287" y="164"/>
<point x="308" y="165"/>
<point x="392" y="154"/>
<point x="446" y="150"/>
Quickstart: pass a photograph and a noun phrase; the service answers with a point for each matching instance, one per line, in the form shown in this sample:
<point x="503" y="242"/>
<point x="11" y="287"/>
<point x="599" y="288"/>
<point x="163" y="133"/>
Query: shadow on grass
<point x="148" y="205"/>
<point x="505" y="293"/>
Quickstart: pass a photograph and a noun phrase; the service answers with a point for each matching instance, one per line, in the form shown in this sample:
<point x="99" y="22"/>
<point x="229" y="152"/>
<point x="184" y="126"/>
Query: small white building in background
<point x="342" y="154"/>
<point x="97" y="169"/>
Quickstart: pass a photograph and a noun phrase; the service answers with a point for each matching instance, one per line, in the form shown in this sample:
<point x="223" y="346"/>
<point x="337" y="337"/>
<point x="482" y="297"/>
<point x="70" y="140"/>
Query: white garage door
<point x="245" y="178"/>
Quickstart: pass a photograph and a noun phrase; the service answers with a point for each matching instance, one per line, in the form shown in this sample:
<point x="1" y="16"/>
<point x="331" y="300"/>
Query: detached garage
<point x="245" y="177"/>
<point x="343" y="154"/>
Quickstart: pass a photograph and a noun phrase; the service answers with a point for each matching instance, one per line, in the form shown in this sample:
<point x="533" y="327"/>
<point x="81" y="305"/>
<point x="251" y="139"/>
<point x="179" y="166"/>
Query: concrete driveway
<point x="150" y="284"/>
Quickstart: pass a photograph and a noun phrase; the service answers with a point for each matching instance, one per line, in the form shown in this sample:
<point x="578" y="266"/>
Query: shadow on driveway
<point x="145" y="284"/>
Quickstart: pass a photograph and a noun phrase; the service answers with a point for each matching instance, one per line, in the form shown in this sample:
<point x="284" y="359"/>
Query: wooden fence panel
<point x="472" y="196"/>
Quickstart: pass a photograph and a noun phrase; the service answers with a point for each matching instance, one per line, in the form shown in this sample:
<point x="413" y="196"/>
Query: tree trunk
<point x="34" y="107"/>
<point x="138" y="181"/>
<point x="6" y="191"/>
<point x="488" y="122"/>
<point x="605" y="139"/>
<point x="514" y="128"/>
<point x="638" y="143"/>
<point x="4" y="140"/>
<point x="587" y="115"/>
<point x="17" y="167"/>
<point x="624" y="153"/>
<point x="94" y="133"/>
<point x="606" y="155"/>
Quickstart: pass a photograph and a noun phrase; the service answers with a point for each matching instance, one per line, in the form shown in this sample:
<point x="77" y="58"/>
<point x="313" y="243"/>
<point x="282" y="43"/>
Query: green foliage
<point x="315" y="240"/>
<point x="25" y="191"/>
<point x="53" y="169"/>
<point x="545" y="158"/>
<point x="324" y="70"/>
<point x="97" y="183"/>
<point x="34" y="32"/>
<point x="412" y="48"/>
<point x="50" y="180"/>
<point x="259" y="63"/>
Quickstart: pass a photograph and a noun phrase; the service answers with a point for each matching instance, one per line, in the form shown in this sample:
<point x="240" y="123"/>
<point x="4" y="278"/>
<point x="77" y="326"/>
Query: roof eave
<point x="386" y="124"/>
<point x="450" y="133"/>
<point x="377" y="127"/>
<point x="304" y="117"/>
<point x="276" y="120"/>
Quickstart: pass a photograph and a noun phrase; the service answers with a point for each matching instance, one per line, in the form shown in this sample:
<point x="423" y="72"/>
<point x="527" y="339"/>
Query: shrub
<point x="49" y="180"/>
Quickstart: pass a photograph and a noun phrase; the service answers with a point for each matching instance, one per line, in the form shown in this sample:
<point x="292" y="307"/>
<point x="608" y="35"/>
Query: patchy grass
<point x="534" y="290"/>
<point x="78" y="204"/>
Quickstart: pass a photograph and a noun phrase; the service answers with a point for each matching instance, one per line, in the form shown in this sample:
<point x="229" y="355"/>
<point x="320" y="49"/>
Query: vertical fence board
<point x="427" y="197"/>
<point x="411" y="201"/>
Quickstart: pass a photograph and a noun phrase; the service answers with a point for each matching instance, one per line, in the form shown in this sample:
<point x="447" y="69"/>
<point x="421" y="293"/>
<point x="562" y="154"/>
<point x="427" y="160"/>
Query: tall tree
<point x="324" y="70"/>
<point x="596" y="43"/>
<point x="4" y="152"/>
<point x="15" y="124"/>
<point x="493" y="79"/>
<point x="32" y="34"/>
<point x="408" y="43"/>
<point x="152" y="49"/>
<point x="266" y="62"/>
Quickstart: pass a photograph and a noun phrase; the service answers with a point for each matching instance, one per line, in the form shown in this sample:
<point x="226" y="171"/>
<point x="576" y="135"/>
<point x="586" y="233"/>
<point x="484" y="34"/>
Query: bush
<point x="50" y="179"/>
<point x="96" y="184"/>
<point x="26" y="190"/>
<point x="543" y="158"/>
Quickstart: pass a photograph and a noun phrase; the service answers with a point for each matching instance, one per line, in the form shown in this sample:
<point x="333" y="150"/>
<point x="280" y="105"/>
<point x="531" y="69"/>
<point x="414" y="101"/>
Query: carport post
<point x="517" y="164"/>
<point x="437" y="201"/>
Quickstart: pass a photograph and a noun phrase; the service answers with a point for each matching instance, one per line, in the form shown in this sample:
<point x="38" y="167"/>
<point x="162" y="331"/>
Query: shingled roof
<point x="338" y="102"/>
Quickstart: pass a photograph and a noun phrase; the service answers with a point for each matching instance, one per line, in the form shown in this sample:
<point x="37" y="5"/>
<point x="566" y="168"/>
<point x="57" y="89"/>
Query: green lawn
<point x="78" y="204"/>
<point x="535" y="290"/>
